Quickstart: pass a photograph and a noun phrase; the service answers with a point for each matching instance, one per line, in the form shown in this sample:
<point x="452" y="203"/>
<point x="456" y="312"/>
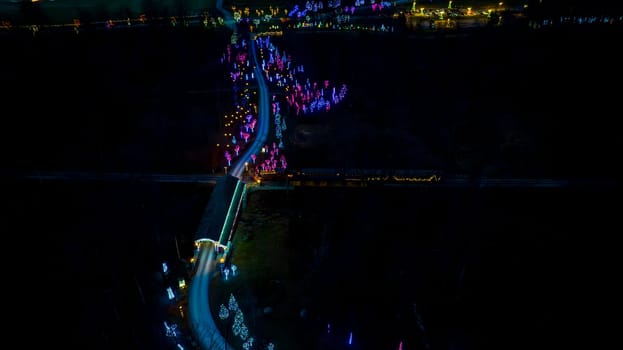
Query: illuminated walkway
<point x="263" y="116"/>
<point x="216" y="227"/>
<point x="201" y="321"/>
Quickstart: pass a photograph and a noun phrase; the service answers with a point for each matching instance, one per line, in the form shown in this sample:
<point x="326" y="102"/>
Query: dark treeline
<point x="545" y="8"/>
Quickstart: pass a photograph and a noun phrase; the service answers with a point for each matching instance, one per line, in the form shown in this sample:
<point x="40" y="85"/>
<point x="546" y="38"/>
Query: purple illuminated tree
<point x="228" y="158"/>
<point x="282" y="159"/>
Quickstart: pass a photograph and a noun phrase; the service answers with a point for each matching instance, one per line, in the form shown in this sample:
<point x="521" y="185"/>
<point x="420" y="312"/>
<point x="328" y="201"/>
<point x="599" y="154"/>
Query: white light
<point x="170" y="293"/>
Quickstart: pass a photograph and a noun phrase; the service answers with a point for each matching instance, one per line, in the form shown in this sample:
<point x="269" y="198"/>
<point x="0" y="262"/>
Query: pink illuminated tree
<point x="245" y="136"/>
<point x="228" y="158"/>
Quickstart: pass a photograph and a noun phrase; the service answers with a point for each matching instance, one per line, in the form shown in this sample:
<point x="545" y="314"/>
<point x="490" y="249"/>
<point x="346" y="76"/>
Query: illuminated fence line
<point x="232" y="214"/>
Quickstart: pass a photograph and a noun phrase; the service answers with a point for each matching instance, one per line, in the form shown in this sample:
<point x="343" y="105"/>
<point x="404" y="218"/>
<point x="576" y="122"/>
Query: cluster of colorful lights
<point x="343" y="24"/>
<point x="282" y="77"/>
<point x="303" y="97"/>
<point x="306" y="12"/>
<point x="238" y="327"/>
<point x="242" y="121"/>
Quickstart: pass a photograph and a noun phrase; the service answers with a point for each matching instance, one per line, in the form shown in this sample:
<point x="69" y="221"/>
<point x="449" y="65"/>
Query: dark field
<point x="499" y="103"/>
<point x="487" y="269"/>
<point x="130" y="100"/>
<point x="88" y="274"/>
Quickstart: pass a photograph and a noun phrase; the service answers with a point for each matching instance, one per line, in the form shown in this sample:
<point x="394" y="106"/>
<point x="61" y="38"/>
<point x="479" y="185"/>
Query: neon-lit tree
<point x="244" y="332"/>
<point x="252" y="124"/>
<point x="283" y="124"/>
<point x="228" y="158"/>
<point x="237" y="149"/>
<point x="282" y="159"/>
<point x="245" y="136"/>
<point x="233" y="304"/>
<point x="238" y="323"/>
<point x="226" y="272"/>
<point x="223" y="312"/>
<point x="248" y="344"/>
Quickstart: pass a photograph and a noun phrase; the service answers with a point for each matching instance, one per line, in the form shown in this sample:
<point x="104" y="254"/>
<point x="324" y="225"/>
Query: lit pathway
<point x="263" y="117"/>
<point x="201" y="321"/>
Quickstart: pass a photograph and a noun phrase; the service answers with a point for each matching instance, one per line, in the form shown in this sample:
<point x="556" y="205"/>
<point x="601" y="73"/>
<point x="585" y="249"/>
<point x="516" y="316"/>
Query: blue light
<point x="350" y="338"/>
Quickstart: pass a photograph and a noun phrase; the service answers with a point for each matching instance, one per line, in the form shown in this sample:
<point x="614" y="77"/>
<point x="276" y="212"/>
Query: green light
<point x="227" y="218"/>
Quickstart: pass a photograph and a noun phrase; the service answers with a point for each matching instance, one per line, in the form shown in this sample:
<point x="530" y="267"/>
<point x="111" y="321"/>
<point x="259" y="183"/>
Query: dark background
<point x="120" y="101"/>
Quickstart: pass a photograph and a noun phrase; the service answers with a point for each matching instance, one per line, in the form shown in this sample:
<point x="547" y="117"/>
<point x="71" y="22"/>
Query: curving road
<point x="263" y="116"/>
<point x="200" y="316"/>
<point x="238" y="167"/>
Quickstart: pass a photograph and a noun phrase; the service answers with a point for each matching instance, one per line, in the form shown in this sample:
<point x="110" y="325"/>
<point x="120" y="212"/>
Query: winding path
<point x="202" y="323"/>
